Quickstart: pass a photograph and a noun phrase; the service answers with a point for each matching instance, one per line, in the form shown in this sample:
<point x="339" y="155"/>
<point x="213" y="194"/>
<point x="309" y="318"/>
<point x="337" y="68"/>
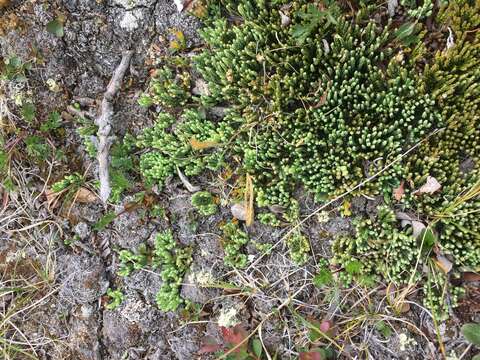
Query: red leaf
<point x="470" y="277"/>
<point x="209" y="348"/>
<point x="311" y="355"/>
<point x="234" y="336"/>
<point x="325" y="326"/>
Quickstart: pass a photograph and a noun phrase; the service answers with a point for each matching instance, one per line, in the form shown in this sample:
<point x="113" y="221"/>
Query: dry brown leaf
<point x="443" y="263"/>
<point x="4" y="3"/>
<point x="52" y="198"/>
<point x="470" y="276"/>
<point x="431" y="186"/>
<point x="85" y="196"/>
<point x="200" y="145"/>
<point x="249" y="200"/>
<point x="396" y="299"/>
<point x="399" y="191"/>
<point x="239" y="211"/>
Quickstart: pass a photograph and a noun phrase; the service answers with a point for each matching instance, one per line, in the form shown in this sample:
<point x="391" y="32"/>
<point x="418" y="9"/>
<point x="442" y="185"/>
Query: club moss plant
<point x="323" y="102"/>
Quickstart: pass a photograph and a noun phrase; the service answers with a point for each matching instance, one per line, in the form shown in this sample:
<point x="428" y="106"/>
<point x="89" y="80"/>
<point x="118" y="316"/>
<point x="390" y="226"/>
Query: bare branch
<point x="104" y="125"/>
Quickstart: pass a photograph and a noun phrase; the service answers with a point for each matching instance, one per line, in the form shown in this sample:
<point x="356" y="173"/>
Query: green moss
<point x="299" y="248"/>
<point x="204" y="203"/>
<point x="174" y="262"/>
<point x="116" y="298"/>
<point x="169" y="148"/>
<point x="233" y="241"/>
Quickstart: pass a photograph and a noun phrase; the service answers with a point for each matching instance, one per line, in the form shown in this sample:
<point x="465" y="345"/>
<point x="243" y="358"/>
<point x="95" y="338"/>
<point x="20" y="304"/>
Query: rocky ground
<point x="56" y="268"/>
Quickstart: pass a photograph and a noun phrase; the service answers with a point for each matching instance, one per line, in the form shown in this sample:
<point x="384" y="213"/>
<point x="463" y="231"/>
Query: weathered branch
<point x="104" y="125"/>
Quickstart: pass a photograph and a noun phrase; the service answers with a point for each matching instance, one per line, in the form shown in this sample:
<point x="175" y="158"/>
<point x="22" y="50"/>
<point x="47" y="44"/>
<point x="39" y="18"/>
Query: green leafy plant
<point x="130" y="261"/>
<point x="54" y="121"/>
<point x="174" y="262"/>
<point x="116" y="298"/>
<point x="299" y="248"/>
<point x="233" y="241"/>
<point x="471" y="332"/>
<point x="204" y="203"/>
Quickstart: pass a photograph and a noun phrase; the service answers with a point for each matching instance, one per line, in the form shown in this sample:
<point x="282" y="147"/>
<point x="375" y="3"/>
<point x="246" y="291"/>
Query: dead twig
<point x="104" y="141"/>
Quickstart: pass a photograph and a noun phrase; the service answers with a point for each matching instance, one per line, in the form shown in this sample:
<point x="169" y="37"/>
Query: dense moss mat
<point x="322" y="96"/>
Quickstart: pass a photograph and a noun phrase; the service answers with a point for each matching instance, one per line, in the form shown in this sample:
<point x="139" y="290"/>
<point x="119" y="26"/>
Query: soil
<point x="68" y="318"/>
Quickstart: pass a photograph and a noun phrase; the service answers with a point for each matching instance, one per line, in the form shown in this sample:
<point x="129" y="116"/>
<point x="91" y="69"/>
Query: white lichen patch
<point x="127" y="4"/>
<point x="405" y="342"/>
<point x="131" y="20"/>
<point x="134" y="309"/>
<point x="228" y="317"/>
<point x="201" y="278"/>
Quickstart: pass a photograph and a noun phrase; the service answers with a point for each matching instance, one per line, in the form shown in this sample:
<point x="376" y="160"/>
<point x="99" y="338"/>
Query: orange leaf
<point x="399" y="191"/>
<point x="249" y="201"/>
<point x="443" y="263"/>
<point x="200" y="145"/>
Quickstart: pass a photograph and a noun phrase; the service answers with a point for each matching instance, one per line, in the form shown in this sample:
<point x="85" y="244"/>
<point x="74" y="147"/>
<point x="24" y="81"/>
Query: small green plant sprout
<point x="37" y="148"/>
<point x="13" y="68"/>
<point x="269" y="219"/>
<point x="169" y="88"/>
<point x="235" y="345"/>
<point x="115" y="297"/>
<point x="264" y="248"/>
<point x="174" y="262"/>
<point x="53" y="122"/>
<point x="233" y="241"/>
<point x="204" y="203"/>
<point x="324" y="276"/>
<point x="384" y="329"/>
<point x="104" y="221"/>
<point x="86" y="130"/>
<point x="130" y="261"/>
<point x="68" y="182"/>
<point x="299" y="248"/>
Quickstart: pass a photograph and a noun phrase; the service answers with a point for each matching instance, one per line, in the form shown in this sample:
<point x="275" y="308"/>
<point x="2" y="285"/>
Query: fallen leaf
<point x="52" y="198"/>
<point x="209" y="346"/>
<point x="285" y="20"/>
<point x="396" y="299"/>
<point x="392" y="6"/>
<point x="4" y="3"/>
<point x="417" y="226"/>
<point x="450" y="39"/>
<point x="200" y="145"/>
<point x="431" y="186"/>
<point x="470" y="276"/>
<point x="277" y="209"/>
<point x="239" y="211"/>
<point x="399" y="191"/>
<point x="85" y="196"/>
<point x="235" y="336"/>
<point x="186" y="183"/>
<point x="311" y="355"/>
<point x="443" y="263"/>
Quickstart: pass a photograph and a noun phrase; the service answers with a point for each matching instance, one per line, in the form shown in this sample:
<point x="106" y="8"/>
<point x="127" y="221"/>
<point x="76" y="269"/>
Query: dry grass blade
<point x="249" y="193"/>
